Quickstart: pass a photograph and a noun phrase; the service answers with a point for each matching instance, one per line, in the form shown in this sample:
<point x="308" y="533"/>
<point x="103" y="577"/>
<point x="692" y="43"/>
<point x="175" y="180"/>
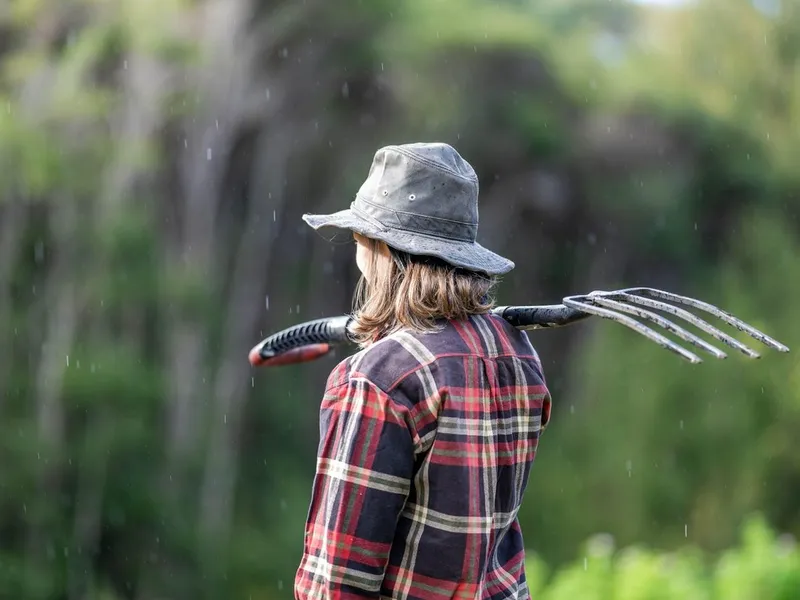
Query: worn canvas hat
<point x="420" y="198"/>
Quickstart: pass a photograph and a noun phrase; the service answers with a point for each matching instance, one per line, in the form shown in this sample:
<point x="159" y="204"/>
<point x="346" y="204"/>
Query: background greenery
<point x="156" y="157"/>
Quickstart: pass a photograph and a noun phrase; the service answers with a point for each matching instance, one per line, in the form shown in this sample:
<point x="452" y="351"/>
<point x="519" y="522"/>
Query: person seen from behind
<point x="429" y="432"/>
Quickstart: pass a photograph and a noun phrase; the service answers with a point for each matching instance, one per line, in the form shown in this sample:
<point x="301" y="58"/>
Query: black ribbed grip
<point x="330" y="330"/>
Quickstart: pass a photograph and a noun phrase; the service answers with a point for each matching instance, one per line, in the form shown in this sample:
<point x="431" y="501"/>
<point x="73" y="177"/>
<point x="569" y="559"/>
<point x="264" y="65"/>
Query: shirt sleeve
<point x="547" y="401"/>
<point x="365" y="464"/>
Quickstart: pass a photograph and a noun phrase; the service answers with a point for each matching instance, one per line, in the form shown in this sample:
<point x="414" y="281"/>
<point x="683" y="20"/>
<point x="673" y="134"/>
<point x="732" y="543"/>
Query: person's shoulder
<point x="503" y="341"/>
<point x="393" y="359"/>
<point x="390" y="360"/>
<point x="380" y="363"/>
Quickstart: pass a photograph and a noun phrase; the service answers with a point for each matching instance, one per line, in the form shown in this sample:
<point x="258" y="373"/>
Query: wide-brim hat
<point x="420" y="198"/>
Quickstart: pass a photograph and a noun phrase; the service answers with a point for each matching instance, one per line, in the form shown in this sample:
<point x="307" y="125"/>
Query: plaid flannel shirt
<point x="427" y="442"/>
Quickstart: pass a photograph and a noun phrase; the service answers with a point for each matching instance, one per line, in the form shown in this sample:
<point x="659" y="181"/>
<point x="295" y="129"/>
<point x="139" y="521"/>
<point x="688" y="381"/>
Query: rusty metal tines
<point x="617" y="305"/>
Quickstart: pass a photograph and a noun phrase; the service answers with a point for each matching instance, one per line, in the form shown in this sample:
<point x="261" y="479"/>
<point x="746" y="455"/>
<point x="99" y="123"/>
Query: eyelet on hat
<point x="412" y="197"/>
<point x="385" y="192"/>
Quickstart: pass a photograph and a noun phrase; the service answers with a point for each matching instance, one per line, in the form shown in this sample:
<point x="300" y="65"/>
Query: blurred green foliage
<point x="760" y="566"/>
<point x="676" y="130"/>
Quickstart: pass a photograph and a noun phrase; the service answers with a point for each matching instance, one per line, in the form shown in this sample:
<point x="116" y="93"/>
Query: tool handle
<point x="301" y="343"/>
<point x="545" y="316"/>
<point x="314" y="339"/>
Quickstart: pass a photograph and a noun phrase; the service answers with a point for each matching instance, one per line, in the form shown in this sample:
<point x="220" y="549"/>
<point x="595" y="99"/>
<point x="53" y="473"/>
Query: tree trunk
<point x="13" y="221"/>
<point x="61" y="319"/>
<point x="233" y="374"/>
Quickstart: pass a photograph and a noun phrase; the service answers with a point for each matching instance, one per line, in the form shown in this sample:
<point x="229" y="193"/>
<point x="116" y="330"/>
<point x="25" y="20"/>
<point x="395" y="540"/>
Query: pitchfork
<point x="313" y="339"/>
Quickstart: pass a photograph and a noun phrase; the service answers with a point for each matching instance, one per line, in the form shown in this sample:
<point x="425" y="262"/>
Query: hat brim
<point x="470" y="256"/>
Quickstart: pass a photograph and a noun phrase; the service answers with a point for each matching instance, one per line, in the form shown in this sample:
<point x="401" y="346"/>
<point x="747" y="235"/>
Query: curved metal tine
<point x="686" y="316"/>
<point x="717" y="312"/>
<point x="580" y="303"/>
<point x="602" y="299"/>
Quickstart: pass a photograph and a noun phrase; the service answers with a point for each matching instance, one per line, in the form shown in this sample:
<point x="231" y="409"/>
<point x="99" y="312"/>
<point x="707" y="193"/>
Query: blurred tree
<point x="156" y="158"/>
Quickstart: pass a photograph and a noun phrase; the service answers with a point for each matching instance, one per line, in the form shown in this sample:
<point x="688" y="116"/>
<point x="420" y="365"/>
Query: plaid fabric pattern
<point x="427" y="442"/>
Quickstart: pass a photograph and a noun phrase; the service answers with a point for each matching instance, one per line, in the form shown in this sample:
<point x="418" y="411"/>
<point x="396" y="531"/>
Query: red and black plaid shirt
<point x="427" y="441"/>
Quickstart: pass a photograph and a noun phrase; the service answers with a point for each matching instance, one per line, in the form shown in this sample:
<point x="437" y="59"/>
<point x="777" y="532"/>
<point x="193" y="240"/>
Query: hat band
<point x="414" y="222"/>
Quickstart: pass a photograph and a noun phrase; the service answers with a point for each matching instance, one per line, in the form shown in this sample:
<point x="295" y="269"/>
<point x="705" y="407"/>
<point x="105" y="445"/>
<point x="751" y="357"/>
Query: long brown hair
<point x="403" y="291"/>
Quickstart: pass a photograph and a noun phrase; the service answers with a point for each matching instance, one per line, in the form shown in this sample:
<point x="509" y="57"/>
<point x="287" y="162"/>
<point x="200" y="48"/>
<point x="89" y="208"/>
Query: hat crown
<point x="422" y="199"/>
<point x="424" y="187"/>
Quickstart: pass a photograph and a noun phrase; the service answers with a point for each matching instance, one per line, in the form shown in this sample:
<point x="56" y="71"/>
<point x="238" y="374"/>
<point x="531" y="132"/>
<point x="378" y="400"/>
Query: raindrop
<point x="345" y="90"/>
<point x="185" y="143"/>
<point x="572" y="409"/>
<point x="274" y="215"/>
<point x="252" y="382"/>
<point x="266" y="93"/>
<point x="686" y="531"/>
<point x="225" y="418"/>
<point x="125" y="64"/>
<point x="67" y="359"/>
<point x="267" y="301"/>
<point x="208" y="154"/>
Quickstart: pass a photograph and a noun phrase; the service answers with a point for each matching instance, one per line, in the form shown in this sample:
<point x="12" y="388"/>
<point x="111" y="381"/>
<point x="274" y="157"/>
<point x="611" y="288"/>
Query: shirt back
<point x="427" y="442"/>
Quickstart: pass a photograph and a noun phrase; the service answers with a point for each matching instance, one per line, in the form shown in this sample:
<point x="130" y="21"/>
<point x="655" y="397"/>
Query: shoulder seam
<point x="351" y="378"/>
<point x="419" y="366"/>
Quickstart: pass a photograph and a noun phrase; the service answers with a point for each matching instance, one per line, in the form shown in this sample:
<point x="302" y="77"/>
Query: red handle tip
<point x="298" y="355"/>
